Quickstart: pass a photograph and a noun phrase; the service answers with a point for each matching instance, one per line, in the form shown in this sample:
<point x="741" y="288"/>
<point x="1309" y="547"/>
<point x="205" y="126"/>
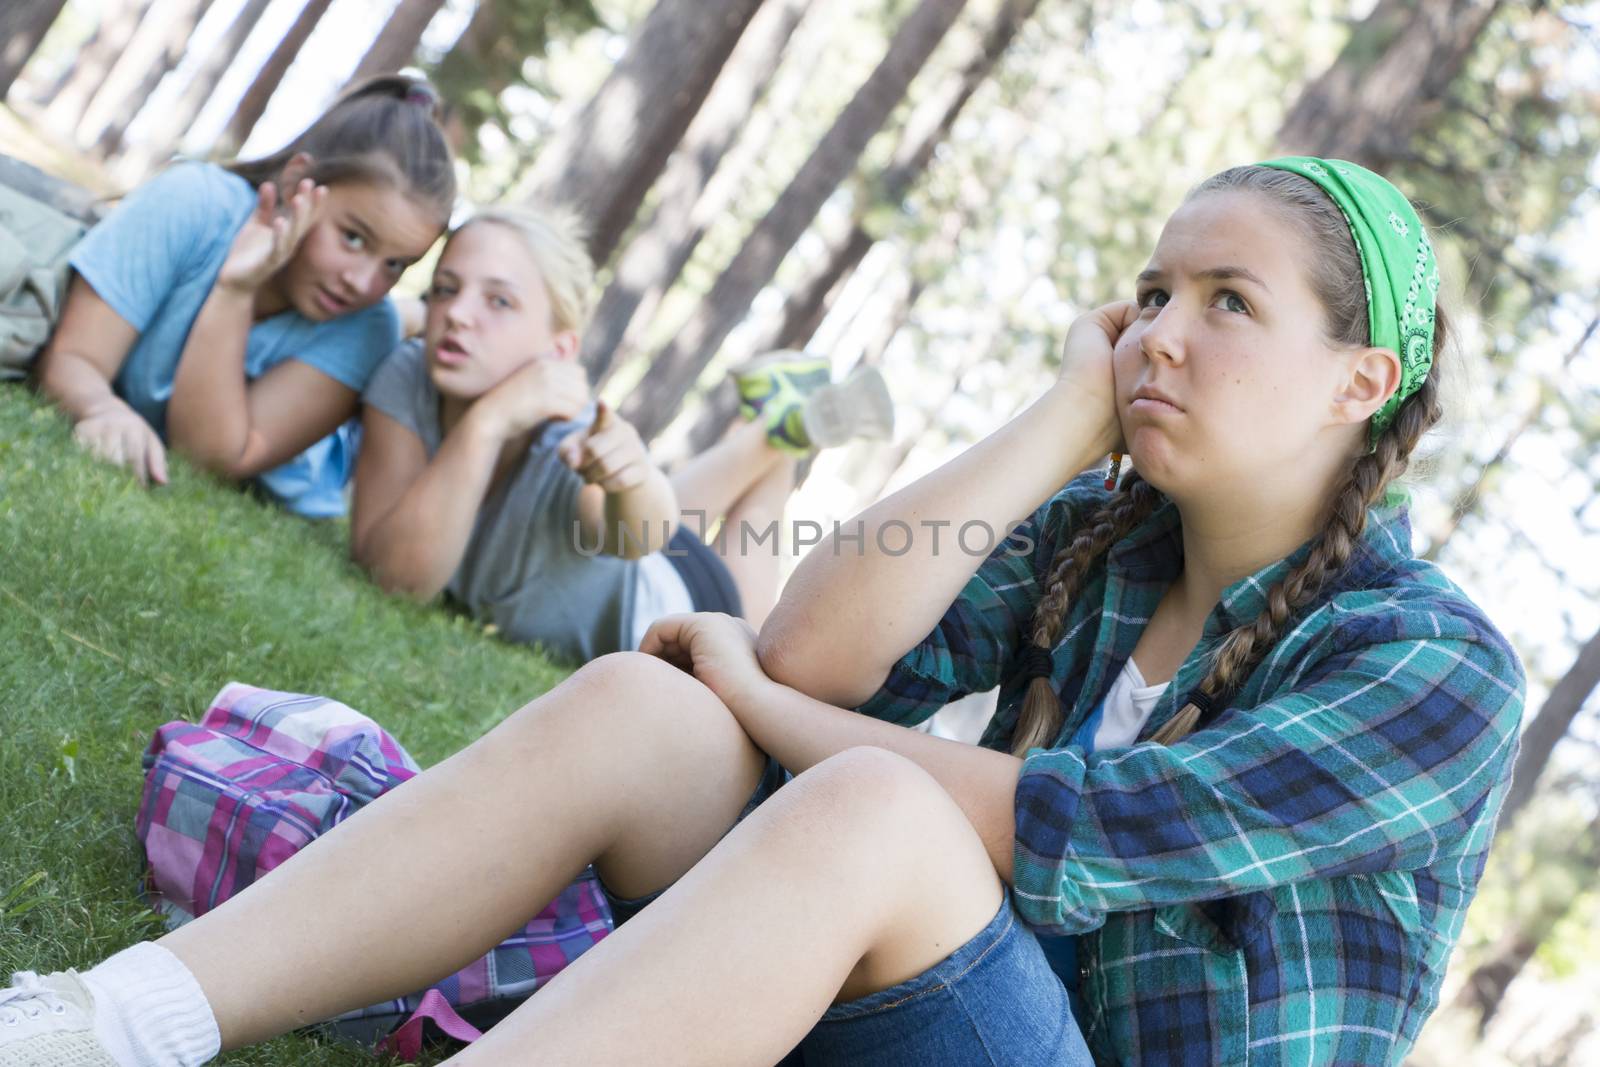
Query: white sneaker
<point x="859" y="406"/>
<point x="49" y="1022"/>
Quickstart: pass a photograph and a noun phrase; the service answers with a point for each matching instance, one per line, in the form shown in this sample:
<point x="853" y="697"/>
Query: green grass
<point x="122" y="608"/>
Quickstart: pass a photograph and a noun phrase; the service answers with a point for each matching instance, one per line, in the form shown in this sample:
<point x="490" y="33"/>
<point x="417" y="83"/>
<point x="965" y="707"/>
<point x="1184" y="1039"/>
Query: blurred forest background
<point x="939" y="187"/>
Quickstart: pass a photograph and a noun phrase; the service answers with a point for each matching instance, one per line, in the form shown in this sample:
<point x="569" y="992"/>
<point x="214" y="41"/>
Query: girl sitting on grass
<point x="1249" y="750"/>
<point x="488" y="470"/>
<point x="235" y="313"/>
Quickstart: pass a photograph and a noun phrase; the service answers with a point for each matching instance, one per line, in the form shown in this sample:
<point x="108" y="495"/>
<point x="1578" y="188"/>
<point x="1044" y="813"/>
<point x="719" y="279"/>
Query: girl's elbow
<point x="783" y="653"/>
<point x="799" y="656"/>
<point x="219" y="464"/>
<point x="401" y="584"/>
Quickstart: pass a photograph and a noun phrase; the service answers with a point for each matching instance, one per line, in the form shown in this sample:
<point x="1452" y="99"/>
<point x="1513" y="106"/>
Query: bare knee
<point x="874" y="781"/>
<point x="888" y="805"/>
<point x="920" y="872"/>
<point x="628" y="694"/>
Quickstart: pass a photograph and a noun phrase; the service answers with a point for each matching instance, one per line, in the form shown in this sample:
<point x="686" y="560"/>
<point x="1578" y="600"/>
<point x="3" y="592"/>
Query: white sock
<point x="150" y="1011"/>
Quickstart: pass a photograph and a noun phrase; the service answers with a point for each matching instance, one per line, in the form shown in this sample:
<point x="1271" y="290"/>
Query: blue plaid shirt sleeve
<point x="1382" y="756"/>
<point x="972" y="647"/>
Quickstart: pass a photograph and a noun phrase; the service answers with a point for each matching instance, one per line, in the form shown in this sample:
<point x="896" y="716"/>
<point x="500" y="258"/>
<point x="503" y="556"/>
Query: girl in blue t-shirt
<point x="236" y="312"/>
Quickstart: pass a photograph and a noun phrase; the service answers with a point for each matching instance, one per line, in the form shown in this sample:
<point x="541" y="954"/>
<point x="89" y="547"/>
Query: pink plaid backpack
<point x="264" y="773"/>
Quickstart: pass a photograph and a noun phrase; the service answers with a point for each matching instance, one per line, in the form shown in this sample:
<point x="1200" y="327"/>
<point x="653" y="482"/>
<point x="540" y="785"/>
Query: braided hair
<point x="1337" y="280"/>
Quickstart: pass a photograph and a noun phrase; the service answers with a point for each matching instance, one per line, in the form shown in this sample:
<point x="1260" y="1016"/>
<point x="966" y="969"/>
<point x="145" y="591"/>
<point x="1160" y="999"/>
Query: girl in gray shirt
<point x="488" y="471"/>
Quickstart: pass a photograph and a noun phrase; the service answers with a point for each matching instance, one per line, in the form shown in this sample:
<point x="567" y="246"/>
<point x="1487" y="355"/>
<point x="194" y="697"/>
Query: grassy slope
<point x="122" y="608"/>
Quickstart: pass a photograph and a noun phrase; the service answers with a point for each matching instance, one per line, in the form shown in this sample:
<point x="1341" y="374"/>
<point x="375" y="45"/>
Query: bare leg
<point x="858" y="875"/>
<point x="629" y="763"/>
<point x="745" y="482"/>
<point x="714" y="480"/>
<point x="755" y="565"/>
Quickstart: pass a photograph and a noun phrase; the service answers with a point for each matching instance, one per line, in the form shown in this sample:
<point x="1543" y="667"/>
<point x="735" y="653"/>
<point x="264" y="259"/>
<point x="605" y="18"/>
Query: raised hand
<point x="537" y="392"/>
<point x="610" y="453"/>
<point x="1086" y="359"/>
<point x="270" y="236"/>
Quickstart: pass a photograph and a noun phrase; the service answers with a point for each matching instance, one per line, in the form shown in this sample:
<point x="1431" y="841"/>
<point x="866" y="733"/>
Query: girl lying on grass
<point x="235" y="313"/>
<point x="1247" y="760"/>
<point x="489" y="471"/>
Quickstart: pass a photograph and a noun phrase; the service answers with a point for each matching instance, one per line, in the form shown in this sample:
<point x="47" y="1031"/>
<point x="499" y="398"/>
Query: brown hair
<point x="1336" y="277"/>
<point x="384" y="131"/>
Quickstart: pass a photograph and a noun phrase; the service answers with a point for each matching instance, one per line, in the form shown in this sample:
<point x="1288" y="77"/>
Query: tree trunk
<point x="22" y="27"/>
<point x="176" y="122"/>
<point x="653" y="404"/>
<point x="397" y="42"/>
<point x="739" y="168"/>
<point x="663" y="244"/>
<point x="1549" y="726"/>
<point x="254" y="102"/>
<point x="1388" y="79"/>
<point x="111" y="38"/>
<point x="806" y="307"/>
<point x="814" y="297"/>
<point x="1485" y="988"/>
<point x="1469" y="501"/>
<point x="144" y="71"/>
<point x="604" y="160"/>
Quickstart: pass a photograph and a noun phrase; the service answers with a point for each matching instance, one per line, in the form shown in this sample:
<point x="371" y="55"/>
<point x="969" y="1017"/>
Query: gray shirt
<point x="523" y="569"/>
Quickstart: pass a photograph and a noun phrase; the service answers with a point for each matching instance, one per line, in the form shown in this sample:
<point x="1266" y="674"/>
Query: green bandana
<point x="1397" y="262"/>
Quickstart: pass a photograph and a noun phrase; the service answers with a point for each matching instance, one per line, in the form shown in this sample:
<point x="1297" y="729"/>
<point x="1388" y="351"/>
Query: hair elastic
<point x="1034" y="662"/>
<point x="1205" y="703"/>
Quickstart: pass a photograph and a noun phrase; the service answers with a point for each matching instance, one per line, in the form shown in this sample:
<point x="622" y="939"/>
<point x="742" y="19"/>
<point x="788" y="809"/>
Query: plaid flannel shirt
<point x="1285" y="885"/>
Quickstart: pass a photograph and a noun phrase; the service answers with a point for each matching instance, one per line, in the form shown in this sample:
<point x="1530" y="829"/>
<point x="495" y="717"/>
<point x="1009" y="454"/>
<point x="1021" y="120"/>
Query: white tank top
<point x="1127" y="707"/>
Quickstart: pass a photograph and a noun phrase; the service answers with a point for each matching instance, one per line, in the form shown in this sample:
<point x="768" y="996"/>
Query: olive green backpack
<point x="35" y="240"/>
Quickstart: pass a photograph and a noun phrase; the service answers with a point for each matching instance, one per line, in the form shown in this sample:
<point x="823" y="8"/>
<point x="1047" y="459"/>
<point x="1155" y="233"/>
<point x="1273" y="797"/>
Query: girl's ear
<point x="1374" y="375"/>
<point x="298" y="167"/>
<point x="567" y="344"/>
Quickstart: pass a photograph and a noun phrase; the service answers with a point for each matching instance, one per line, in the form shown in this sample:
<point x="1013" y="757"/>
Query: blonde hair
<point x="554" y="237"/>
<point x="1335" y="275"/>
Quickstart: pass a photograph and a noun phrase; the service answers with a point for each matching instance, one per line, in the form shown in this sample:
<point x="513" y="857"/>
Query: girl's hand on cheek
<point x="1086" y="364"/>
<point x="534" y="394"/>
<point x="269" y="237"/>
<point x="717" y="649"/>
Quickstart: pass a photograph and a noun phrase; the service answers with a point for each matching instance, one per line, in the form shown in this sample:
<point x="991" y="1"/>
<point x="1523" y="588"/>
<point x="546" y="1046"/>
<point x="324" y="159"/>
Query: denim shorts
<point x="993" y="1001"/>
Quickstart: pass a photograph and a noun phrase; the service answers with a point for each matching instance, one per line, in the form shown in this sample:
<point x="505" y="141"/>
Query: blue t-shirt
<point x="155" y="259"/>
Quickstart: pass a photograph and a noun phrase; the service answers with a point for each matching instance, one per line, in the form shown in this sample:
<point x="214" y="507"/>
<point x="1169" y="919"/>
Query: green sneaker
<point x="779" y="379"/>
<point x="802" y="410"/>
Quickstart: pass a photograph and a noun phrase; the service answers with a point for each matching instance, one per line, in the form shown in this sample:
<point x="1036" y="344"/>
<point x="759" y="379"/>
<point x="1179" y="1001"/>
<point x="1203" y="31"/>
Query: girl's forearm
<point x="74" y="383"/>
<point x="209" y="414"/>
<point x="636" y="518"/>
<point x="800" y="732"/>
<point x="417" y="546"/>
<point x="854" y="607"/>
